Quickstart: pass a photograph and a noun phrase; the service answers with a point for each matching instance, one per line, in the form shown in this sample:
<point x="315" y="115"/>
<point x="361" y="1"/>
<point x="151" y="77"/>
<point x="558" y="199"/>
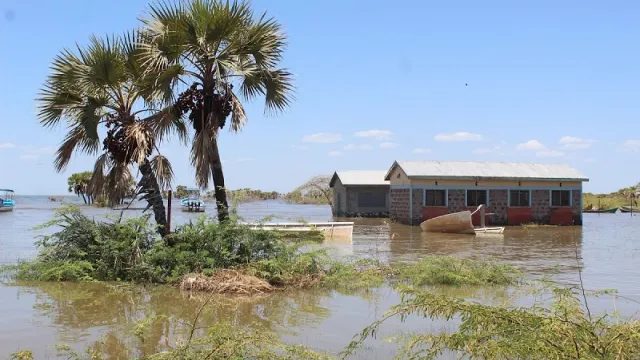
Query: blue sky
<point x="537" y="81"/>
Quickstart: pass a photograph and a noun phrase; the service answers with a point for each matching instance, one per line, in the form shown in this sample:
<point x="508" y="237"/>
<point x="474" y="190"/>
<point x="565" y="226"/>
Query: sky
<point x="376" y="81"/>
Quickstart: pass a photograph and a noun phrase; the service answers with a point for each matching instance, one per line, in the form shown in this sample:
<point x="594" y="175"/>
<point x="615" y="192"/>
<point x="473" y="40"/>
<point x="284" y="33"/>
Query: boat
<point x="193" y="203"/>
<point x="601" y="211"/>
<point x="628" y="209"/>
<point x="7" y="200"/>
<point x="329" y="229"/>
<point x="460" y="223"/>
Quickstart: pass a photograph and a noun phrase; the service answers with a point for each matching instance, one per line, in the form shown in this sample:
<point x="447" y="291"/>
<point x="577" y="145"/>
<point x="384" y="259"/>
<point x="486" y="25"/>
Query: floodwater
<point x="37" y="317"/>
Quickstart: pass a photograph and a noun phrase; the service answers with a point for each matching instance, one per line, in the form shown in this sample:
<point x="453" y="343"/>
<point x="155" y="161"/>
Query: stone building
<point x="515" y="193"/>
<point x="360" y="194"/>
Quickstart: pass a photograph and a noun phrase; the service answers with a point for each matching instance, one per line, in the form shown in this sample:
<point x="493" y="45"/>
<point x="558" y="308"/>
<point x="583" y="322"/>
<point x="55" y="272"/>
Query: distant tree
<point x="316" y="190"/>
<point x="180" y="192"/>
<point x="79" y="184"/>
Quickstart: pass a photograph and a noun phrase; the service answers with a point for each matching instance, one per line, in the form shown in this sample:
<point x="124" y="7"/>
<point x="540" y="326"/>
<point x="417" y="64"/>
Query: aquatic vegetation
<point x="225" y="281"/>
<point x="564" y="330"/>
<point x="449" y="270"/>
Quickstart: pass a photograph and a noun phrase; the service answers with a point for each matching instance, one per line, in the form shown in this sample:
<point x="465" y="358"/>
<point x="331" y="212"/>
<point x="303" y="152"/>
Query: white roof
<point x="360" y="177"/>
<point x="493" y="170"/>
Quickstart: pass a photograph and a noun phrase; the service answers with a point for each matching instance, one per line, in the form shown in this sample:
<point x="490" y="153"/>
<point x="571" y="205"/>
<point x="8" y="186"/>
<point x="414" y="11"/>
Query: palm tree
<point x="79" y="184"/>
<point x="105" y="86"/>
<point x="217" y="47"/>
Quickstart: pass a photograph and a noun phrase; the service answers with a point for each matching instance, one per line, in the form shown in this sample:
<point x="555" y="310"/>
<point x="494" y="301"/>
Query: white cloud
<point x="374" y="133"/>
<point x="300" y="147"/>
<point x="29" y="157"/>
<point x="335" y="153"/>
<point x="575" y="143"/>
<point x="358" y="147"/>
<point x="459" y="136"/>
<point x="7" y="146"/>
<point x="531" y="145"/>
<point x="631" y="145"/>
<point x="388" y="145"/>
<point x="322" y="138"/>
<point x="549" y="153"/>
<point x="488" y="150"/>
<point x="421" y="151"/>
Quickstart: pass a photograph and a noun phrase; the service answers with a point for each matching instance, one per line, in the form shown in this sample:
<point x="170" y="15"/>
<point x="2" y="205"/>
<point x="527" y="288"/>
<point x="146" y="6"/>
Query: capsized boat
<point x="329" y="229"/>
<point x="7" y="200"/>
<point x="455" y="223"/>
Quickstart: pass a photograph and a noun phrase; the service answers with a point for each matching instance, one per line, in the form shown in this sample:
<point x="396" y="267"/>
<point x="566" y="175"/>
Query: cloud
<point x="631" y="145"/>
<point x="531" y="145"/>
<point x="488" y="150"/>
<point x="374" y="133"/>
<point x="322" y="138"/>
<point x="388" y="145"/>
<point x="575" y="143"/>
<point x="335" y="153"/>
<point x="421" y="151"/>
<point x="7" y="146"/>
<point x="549" y="153"/>
<point x="458" y="136"/>
<point x="358" y="147"/>
<point x="29" y="157"/>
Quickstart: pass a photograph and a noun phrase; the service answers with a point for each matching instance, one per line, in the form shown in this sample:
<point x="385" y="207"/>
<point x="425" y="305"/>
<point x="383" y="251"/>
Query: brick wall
<point x="417" y="206"/>
<point x="456" y="201"/>
<point x="399" y="209"/>
<point x="498" y="204"/>
<point x="576" y="197"/>
<point x="540" y="207"/>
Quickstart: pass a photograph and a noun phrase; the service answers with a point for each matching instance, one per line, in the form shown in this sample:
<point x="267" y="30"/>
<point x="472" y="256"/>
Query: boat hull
<point x="607" y="211"/>
<point x="329" y="229"/>
<point x="627" y="209"/>
<point x="455" y="223"/>
<point x="6" y="208"/>
<point x="193" y="208"/>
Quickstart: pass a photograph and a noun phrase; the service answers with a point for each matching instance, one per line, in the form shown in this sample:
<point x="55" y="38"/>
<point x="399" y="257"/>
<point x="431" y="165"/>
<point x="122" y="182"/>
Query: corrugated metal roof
<point x="360" y="177"/>
<point x="498" y="170"/>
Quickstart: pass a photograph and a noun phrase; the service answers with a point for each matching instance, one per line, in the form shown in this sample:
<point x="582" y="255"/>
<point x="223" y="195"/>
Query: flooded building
<point x="515" y="193"/>
<point x="360" y="193"/>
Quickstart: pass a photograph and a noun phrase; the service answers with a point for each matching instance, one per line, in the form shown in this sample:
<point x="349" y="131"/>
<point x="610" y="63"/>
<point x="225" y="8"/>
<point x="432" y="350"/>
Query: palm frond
<point x="238" y="115"/>
<point x="141" y="135"/>
<point x="53" y="101"/>
<point x="279" y="90"/>
<point x="98" y="177"/>
<point x="201" y="157"/>
<point x="76" y="140"/>
<point x="163" y="170"/>
<point x="169" y="121"/>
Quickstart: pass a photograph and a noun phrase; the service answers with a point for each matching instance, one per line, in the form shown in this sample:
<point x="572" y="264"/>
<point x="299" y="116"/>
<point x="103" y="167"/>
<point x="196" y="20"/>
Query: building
<point x="360" y="194"/>
<point x="515" y="193"/>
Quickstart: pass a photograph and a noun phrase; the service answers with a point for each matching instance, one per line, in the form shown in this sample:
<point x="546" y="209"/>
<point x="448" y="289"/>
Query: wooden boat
<point x="7" y="201"/>
<point x="628" y="209"/>
<point x="456" y="223"/>
<point x="329" y="229"/>
<point x="600" y="211"/>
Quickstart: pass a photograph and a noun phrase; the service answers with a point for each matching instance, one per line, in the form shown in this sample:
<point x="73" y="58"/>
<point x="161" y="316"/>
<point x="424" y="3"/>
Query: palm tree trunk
<point x="151" y="189"/>
<point x="84" y="198"/>
<point x="218" y="183"/>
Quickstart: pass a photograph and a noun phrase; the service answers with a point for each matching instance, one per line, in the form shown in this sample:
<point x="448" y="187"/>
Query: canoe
<point x="455" y="223"/>
<point x="329" y="229"/>
<point x="626" y="209"/>
<point x="603" y="211"/>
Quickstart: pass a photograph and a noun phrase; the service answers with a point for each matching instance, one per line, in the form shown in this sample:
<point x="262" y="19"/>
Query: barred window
<point x="560" y="198"/>
<point x="435" y="198"/>
<point x="476" y="197"/>
<point x="519" y="198"/>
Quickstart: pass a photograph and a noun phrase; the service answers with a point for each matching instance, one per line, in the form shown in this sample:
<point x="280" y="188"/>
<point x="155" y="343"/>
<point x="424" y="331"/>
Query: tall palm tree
<point x="224" y="53"/>
<point x="104" y="86"/>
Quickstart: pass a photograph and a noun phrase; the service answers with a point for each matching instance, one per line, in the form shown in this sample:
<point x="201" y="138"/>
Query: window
<point x="519" y="198"/>
<point x="560" y="198"/>
<point x="435" y="198"/>
<point x="372" y="199"/>
<point x="476" y="197"/>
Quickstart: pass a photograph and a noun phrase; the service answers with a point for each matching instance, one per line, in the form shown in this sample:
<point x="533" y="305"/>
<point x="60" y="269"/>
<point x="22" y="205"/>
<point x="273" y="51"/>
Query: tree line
<point x="188" y="65"/>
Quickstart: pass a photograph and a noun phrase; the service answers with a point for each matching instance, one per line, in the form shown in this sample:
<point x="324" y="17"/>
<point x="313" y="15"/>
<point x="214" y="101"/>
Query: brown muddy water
<point x="39" y="316"/>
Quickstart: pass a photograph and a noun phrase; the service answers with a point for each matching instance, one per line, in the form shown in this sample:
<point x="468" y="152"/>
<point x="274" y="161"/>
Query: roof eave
<point x="495" y="178"/>
<point x="387" y="177"/>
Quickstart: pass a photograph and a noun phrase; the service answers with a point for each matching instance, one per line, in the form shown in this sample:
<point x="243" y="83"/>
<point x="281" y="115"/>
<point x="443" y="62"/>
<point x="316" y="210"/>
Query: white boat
<point x="329" y="229"/>
<point x="193" y="203"/>
<point x="455" y="223"/>
<point x="7" y="201"/>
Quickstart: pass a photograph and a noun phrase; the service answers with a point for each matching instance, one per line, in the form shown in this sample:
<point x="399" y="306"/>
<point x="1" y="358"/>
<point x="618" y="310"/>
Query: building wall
<point x="539" y="211"/>
<point x="339" y="199"/>
<point x="354" y="210"/>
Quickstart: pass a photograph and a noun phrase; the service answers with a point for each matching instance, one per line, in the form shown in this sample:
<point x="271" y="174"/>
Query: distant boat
<point x="7" y="201"/>
<point x="329" y="229"/>
<point x="602" y="211"/>
<point x="193" y="203"/>
<point x="627" y="209"/>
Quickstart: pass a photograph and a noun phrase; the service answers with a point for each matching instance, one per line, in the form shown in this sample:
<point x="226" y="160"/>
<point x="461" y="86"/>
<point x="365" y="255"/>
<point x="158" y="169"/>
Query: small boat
<point x="628" y="209"/>
<point x="600" y="211"/>
<point x="329" y="229"/>
<point x="455" y="223"/>
<point x="192" y="204"/>
<point x="7" y="200"/>
<point x="489" y="230"/>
